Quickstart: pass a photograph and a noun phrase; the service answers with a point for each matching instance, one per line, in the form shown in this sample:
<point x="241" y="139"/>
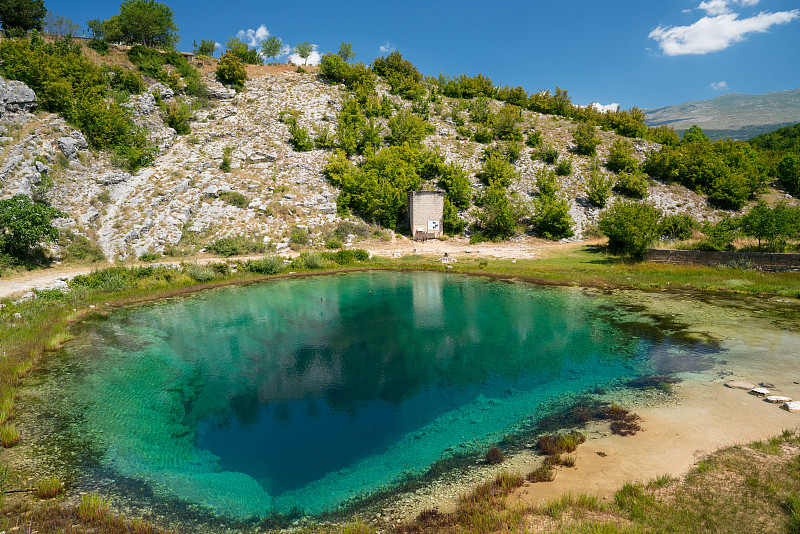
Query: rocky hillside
<point x="184" y="200"/>
<point x="734" y="115"/>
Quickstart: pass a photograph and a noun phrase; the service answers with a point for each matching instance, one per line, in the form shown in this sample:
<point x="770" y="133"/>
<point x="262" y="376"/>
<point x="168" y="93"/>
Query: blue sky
<point x="635" y="53"/>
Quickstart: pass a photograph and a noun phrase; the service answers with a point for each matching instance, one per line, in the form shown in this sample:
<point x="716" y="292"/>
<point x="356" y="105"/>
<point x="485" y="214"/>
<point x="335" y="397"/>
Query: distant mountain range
<point x="734" y="115"/>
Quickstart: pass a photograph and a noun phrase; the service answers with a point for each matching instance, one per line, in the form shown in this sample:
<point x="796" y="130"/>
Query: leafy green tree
<point x="24" y="224"/>
<point x="789" y="173"/>
<point x="631" y="184"/>
<point x="694" y="134"/>
<point x="148" y="23"/>
<point x="631" y="227"/>
<point x="497" y="171"/>
<point x="239" y="48"/>
<point x="546" y="183"/>
<point x="207" y="47"/>
<point x="620" y="157"/>
<point x="24" y="15"/>
<point x="304" y="50"/>
<point x="346" y="52"/>
<point x="408" y="128"/>
<point x="585" y="139"/>
<point x="272" y="46"/>
<point x="504" y="123"/>
<point x="231" y="71"/>
<point x="57" y="24"/>
<point x="499" y="216"/>
<point x="720" y="235"/>
<point x="772" y="226"/>
<point x="551" y="218"/>
<point x="677" y="226"/>
<point x="599" y="185"/>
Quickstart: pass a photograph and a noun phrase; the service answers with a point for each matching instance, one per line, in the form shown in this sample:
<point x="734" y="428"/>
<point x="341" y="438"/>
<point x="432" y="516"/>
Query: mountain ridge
<point x="735" y="115"/>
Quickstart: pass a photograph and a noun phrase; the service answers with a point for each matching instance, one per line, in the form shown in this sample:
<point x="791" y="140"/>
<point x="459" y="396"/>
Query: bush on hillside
<point x="631" y="227"/>
<point x="551" y="218"/>
<point x="585" y="139"/>
<point x="677" y="226"/>
<point x="789" y="173"/>
<point x="620" y="157"/>
<point x="231" y="71"/>
<point x="631" y="185"/>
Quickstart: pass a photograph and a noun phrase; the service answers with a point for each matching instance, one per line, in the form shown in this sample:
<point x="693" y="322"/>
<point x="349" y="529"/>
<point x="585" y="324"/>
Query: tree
<point x="346" y="51"/>
<point x="789" y="173"/>
<point x="23" y="224"/>
<point x="239" y="48"/>
<point x="585" y="139"/>
<point x="694" y="134"/>
<point x="57" y="24"/>
<point x="497" y="171"/>
<point x="551" y="218"/>
<point x="24" y="15"/>
<point x="144" y="22"/>
<point x="773" y="226"/>
<point x="620" y="157"/>
<point x="205" y="48"/>
<point x="272" y="46"/>
<point x="304" y="50"/>
<point x="231" y="71"/>
<point x="630" y="227"/>
<point x="499" y="217"/>
<point x="407" y="128"/>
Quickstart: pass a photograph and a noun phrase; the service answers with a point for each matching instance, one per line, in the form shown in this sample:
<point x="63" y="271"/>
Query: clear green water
<point x="306" y="393"/>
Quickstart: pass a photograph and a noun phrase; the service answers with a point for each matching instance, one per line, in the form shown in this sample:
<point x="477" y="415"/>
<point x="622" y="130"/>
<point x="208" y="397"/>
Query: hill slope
<point x="734" y="115"/>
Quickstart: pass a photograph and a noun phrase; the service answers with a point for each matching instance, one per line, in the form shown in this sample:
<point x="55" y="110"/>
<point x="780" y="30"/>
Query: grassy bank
<point x="29" y="329"/>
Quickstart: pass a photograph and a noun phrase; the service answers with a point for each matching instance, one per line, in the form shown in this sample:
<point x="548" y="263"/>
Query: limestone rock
<point x="792" y="406"/>
<point x="68" y="146"/>
<point x="760" y="392"/>
<point x="15" y="97"/>
<point x="740" y="384"/>
<point x="777" y="399"/>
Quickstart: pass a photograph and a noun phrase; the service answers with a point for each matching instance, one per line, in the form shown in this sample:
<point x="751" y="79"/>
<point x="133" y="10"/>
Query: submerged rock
<point x="740" y="384"/>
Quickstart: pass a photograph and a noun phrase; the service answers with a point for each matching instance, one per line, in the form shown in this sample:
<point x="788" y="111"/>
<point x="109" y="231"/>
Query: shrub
<point x="620" y="157"/>
<point x="266" y="265"/>
<point x="310" y="260"/>
<point x="598" y="187"/>
<point x="198" y="273"/>
<point x="77" y="248"/>
<point x="126" y="80"/>
<point x="499" y="217"/>
<point x="483" y="135"/>
<point x="177" y="116"/>
<point x="504" y="123"/>
<point x="231" y="71"/>
<point x="24" y="224"/>
<point x="564" y="167"/>
<point x="676" y="226"/>
<point x="334" y="243"/>
<point x="225" y="164"/>
<point x="234" y="198"/>
<point x="789" y="173"/>
<point x="546" y="183"/>
<point x="630" y="227"/>
<point x="547" y="153"/>
<point x="300" y="140"/>
<point x="235" y="246"/>
<point x="558" y="444"/>
<point x="632" y="185"/>
<point x="585" y="139"/>
<point x="497" y="171"/>
<point x="299" y="236"/>
<point x="534" y="139"/>
<point x="720" y="236"/>
<point x="402" y="76"/>
<point x="407" y="128"/>
<point x="772" y="226"/>
<point x="551" y="218"/>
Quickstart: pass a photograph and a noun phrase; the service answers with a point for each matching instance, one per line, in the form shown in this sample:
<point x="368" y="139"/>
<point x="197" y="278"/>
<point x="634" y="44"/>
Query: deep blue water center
<point x="309" y="392"/>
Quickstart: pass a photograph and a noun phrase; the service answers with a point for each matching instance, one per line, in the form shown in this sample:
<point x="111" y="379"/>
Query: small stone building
<point x="425" y="213"/>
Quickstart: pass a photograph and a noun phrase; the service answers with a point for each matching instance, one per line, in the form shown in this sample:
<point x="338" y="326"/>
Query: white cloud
<point x="715" y="33"/>
<point x="719" y="86"/>
<point x="719" y="7"/>
<point x="602" y="108"/>
<point x="252" y="37"/>
<point x="386" y="47"/>
<point x="313" y="59"/>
